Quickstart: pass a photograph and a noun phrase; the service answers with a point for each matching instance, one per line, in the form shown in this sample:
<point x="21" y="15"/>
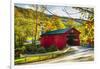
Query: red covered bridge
<point x="60" y="38"/>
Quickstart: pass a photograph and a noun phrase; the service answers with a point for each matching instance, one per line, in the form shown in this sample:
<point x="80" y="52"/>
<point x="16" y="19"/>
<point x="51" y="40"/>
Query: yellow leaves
<point x="62" y="26"/>
<point x="54" y="27"/>
<point x="70" y="21"/>
<point x="49" y="25"/>
<point x="29" y="38"/>
<point x="87" y="31"/>
<point x="17" y="13"/>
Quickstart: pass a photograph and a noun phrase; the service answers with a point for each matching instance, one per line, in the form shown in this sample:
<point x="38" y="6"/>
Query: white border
<point x="57" y="2"/>
<point x="12" y="35"/>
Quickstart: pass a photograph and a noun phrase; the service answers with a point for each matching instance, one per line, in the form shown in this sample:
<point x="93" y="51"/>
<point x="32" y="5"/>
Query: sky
<point x="57" y="10"/>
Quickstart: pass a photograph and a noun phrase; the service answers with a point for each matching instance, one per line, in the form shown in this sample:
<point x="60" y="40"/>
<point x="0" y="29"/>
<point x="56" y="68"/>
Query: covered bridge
<point x="60" y="38"/>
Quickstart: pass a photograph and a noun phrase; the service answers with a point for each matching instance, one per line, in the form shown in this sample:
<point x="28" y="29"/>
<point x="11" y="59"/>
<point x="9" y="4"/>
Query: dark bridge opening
<point x="71" y="38"/>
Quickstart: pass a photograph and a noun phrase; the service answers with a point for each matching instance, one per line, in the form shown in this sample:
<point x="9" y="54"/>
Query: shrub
<point x="30" y="50"/>
<point x="41" y="50"/>
<point x="51" y="48"/>
<point x="18" y="51"/>
<point x="28" y="44"/>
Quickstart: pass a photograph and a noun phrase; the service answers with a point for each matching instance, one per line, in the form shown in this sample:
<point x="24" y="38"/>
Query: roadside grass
<point x="36" y="58"/>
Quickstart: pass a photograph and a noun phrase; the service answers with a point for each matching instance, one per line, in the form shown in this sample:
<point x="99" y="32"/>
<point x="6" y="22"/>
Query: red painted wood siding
<point x="57" y="40"/>
<point x="60" y="41"/>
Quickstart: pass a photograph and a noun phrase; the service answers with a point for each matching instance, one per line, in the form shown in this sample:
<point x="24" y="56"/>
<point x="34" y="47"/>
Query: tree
<point x="89" y="12"/>
<point x="23" y="30"/>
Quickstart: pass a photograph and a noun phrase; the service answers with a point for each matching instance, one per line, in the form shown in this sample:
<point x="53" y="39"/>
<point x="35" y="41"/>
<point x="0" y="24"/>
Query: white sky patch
<point x="59" y="11"/>
<point x="25" y="6"/>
